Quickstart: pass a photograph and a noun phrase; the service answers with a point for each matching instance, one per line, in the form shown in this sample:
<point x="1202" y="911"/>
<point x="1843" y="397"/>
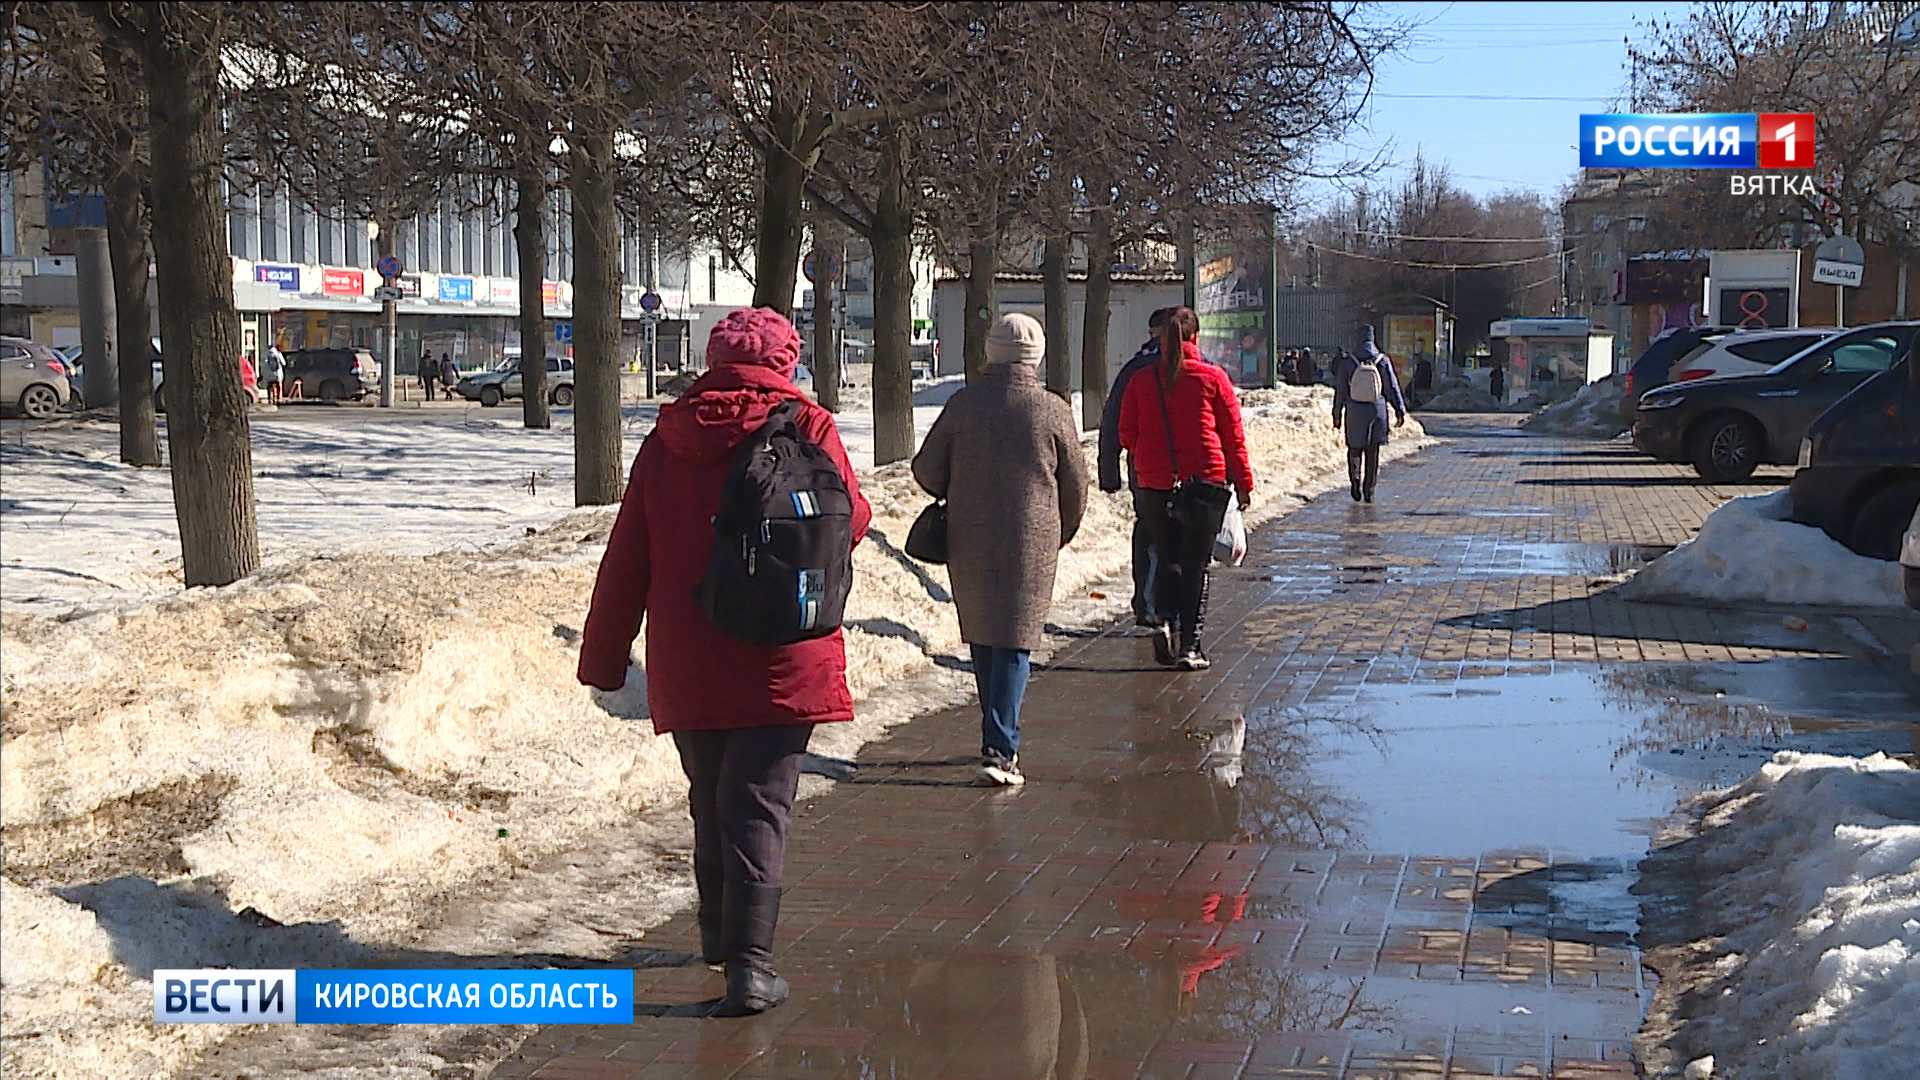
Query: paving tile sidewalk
<point x="1141" y="909"/>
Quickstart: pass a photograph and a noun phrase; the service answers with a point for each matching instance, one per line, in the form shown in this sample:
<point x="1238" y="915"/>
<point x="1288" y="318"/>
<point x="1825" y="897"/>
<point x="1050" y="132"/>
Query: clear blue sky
<point x="1429" y="97"/>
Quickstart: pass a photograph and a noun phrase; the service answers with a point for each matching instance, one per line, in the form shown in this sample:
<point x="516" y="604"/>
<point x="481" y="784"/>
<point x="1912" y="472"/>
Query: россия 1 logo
<point x="1696" y="141"/>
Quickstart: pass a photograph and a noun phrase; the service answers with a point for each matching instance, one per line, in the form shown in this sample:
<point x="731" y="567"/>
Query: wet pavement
<point x="1390" y="834"/>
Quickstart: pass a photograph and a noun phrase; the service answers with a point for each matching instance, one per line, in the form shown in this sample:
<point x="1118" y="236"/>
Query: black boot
<point x="1353" y="475"/>
<point x="1191" y="658"/>
<point x="746" y="926"/>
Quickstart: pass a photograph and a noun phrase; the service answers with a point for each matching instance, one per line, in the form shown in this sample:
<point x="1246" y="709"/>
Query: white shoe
<point x="1000" y="771"/>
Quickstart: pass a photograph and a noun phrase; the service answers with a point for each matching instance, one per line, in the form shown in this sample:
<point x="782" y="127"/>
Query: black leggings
<point x="1184" y="552"/>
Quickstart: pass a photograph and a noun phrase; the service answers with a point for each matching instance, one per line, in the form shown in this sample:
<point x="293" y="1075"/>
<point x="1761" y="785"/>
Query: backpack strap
<point x="1167" y="420"/>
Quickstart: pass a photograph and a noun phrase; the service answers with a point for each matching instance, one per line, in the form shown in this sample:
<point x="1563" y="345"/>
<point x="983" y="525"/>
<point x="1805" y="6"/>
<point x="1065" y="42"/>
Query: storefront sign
<point x="284" y="278"/>
<point x="343" y="282"/>
<point x="409" y="285"/>
<point x="504" y="291"/>
<point x="550" y="292"/>
<point x="456" y="288"/>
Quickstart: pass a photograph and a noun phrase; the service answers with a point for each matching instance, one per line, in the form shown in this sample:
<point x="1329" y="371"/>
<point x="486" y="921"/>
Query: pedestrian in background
<point x="1364" y="386"/>
<point x="1005" y="455"/>
<point x="1309" y="367"/>
<point x="1497" y="382"/>
<point x="740" y="714"/>
<point x="1290" y="367"/>
<point x="1144" y="359"/>
<point x="273" y="373"/>
<point x="429" y="373"/>
<point x="449" y="375"/>
<point x="1422" y="378"/>
<point x="1183" y="429"/>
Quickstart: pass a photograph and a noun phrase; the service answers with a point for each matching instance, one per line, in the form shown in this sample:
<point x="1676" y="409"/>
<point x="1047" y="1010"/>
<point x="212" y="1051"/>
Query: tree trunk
<point x="983" y="258"/>
<point x="596" y="321"/>
<point x="1189" y="251"/>
<point x="776" y="247"/>
<point x="127" y="248"/>
<point x="1053" y="277"/>
<point x="530" y="237"/>
<point x="1094" y="377"/>
<point x="207" y="430"/>
<point x="827" y="246"/>
<point x="892" y="239"/>
<point x="93" y="273"/>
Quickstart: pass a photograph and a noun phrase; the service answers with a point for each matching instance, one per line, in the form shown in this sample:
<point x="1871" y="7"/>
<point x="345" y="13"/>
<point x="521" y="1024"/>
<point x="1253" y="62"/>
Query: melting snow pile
<point x="1594" y="411"/>
<point x="358" y="743"/>
<point x="1747" y="550"/>
<point x="1467" y="399"/>
<point x="1805" y="914"/>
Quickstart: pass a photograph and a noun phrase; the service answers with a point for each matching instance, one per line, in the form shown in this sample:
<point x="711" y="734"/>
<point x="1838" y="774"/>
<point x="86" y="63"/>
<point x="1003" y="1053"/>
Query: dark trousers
<point x="1143" y="555"/>
<point x="740" y="786"/>
<point x="1184" y="552"/>
<point x="1363" y="467"/>
<point x="1001" y="677"/>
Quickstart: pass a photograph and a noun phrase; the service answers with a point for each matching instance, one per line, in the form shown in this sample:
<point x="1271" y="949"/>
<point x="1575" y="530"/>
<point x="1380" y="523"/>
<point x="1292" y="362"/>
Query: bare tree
<point x="181" y="46"/>
<point x="75" y="105"/>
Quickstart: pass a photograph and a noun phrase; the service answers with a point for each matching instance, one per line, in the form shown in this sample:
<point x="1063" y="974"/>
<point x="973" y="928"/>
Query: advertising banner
<point x="284" y="278"/>
<point x="1235" y="305"/>
<point x="456" y="288"/>
<point x="343" y="282"/>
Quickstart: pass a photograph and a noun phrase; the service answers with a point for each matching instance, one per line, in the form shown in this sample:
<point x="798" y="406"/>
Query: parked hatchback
<point x="33" y="380"/>
<point x="1746" y="352"/>
<point x="1727" y="427"/>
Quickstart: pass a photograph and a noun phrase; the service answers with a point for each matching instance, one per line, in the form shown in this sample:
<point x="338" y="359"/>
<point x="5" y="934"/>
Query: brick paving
<point x="1128" y="914"/>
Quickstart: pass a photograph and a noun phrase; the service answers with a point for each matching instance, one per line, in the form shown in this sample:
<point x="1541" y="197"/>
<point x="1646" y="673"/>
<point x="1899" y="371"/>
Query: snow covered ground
<point x="1798" y="953"/>
<point x="374" y="747"/>
<point x="1594" y="411"/>
<point x="1747" y="550"/>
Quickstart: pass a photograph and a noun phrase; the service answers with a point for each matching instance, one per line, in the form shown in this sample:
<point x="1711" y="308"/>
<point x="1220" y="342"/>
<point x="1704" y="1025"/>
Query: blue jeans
<point x="1001" y="676"/>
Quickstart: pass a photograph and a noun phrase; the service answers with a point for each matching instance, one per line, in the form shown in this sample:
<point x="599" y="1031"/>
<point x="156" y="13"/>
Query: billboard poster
<point x="1408" y="338"/>
<point x="342" y="282"/>
<point x="284" y="278"/>
<point x="1235" y="305"/>
<point x="456" y="288"/>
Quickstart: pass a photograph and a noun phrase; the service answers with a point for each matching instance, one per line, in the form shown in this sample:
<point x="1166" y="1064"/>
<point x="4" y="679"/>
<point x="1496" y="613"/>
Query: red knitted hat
<point x="755" y="337"/>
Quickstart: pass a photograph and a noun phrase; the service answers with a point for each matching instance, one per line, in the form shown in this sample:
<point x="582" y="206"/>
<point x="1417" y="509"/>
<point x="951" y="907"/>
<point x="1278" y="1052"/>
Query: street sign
<point x="650" y="301"/>
<point x="1839" y="260"/>
<point x="833" y="266"/>
<point x="563" y="333"/>
<point x="648" y="318"/>
<point x="389" y="266"/>
<point x="389" y="292"/>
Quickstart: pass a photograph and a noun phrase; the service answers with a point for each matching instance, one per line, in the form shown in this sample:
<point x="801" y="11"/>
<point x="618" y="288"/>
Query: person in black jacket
<point x="1143" y="553"/>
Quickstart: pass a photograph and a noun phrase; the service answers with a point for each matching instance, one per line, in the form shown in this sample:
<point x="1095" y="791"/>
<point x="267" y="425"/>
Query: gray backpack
<point x="1365" y="384"/>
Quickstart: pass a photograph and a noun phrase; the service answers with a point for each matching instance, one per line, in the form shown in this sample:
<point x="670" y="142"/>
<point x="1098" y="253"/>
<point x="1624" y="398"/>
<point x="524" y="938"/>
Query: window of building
<point x="1637" y="223"/>
<point x="1599" y="260"/>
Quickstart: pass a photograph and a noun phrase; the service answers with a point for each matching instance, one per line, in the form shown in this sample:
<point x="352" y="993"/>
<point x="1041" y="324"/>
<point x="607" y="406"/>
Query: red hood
<point x="720" y="410"/>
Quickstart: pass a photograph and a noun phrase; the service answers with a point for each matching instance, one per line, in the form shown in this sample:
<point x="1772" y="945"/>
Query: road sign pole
<point x="390" y="312"/>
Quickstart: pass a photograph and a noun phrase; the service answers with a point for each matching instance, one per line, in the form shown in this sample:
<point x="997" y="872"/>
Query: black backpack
<point x="782" y="561"/>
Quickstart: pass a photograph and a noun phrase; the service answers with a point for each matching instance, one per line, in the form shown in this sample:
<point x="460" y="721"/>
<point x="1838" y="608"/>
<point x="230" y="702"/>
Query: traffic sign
<point x="833" y="266"/>
<point x="563" y="333"/>
<point x="648" y="318"/>
<point x="389" y="266"/>
<point x="1839" y="260"/>
<point x="650" y="301"/>
<point x="389" y="292"/>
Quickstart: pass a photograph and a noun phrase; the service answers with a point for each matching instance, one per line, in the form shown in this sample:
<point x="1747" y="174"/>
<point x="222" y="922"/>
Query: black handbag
<point x="1196" y="503"/>
<point x="927" y="540"/>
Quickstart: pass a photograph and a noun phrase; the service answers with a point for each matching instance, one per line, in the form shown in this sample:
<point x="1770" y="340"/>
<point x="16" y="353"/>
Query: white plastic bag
<point x="1230" y="546"/>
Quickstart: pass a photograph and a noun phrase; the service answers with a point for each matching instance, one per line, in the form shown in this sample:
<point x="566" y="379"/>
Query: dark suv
<point x="1727" y="426"/>
<point x="1859" y="475"/>
<point x="333" y="374"/>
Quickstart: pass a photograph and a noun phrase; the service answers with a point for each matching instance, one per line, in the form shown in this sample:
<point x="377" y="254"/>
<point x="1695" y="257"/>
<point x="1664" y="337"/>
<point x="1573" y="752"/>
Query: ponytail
<point x="1182" y="326"/>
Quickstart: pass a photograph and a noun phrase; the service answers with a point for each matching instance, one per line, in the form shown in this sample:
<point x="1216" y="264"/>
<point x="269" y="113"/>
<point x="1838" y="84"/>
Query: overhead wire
<point x="1444" y="266"/>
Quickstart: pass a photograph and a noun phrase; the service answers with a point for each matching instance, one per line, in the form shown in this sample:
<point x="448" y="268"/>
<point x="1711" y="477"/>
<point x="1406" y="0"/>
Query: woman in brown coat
<point x="1005" y="455"/>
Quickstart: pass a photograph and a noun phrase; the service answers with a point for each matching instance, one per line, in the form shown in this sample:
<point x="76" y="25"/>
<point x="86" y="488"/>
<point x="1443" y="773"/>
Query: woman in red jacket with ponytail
<point x="1183" y="429"/>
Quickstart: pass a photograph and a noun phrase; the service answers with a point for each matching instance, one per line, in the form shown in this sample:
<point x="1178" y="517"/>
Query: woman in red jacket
<point x="740" y="715"/>
<point x="1183" y="429"/>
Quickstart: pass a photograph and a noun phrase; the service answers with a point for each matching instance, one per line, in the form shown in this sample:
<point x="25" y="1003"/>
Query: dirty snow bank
<point x="358" y="745"/>
<point x="1467" y="398"/>
<point x="1747" y="550"/>
<point x="1798" y="946"/>
<point x="1594" y="411"/>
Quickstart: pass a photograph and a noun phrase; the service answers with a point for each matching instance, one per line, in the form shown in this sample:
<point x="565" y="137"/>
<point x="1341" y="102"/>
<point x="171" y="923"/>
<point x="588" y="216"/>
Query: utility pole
<point x="93" y="267"/>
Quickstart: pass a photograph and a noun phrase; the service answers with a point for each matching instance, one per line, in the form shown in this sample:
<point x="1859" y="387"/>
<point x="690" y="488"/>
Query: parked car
<point x="333" y="374"/>
<point x="1726" y="427"/>
<point x="1910" y="562"/>
<point x="1652" y="366"/>
<point x="1746" y="352"/>
<point x="33" y="381"/>
<point x="248" y="380"/>
<point x="1859" y="476"/>
<point x="490" y="388"/>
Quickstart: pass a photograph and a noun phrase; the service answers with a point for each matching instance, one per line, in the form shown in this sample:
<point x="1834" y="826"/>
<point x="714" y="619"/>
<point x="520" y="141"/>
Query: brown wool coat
<point x="1006" y="456"/>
